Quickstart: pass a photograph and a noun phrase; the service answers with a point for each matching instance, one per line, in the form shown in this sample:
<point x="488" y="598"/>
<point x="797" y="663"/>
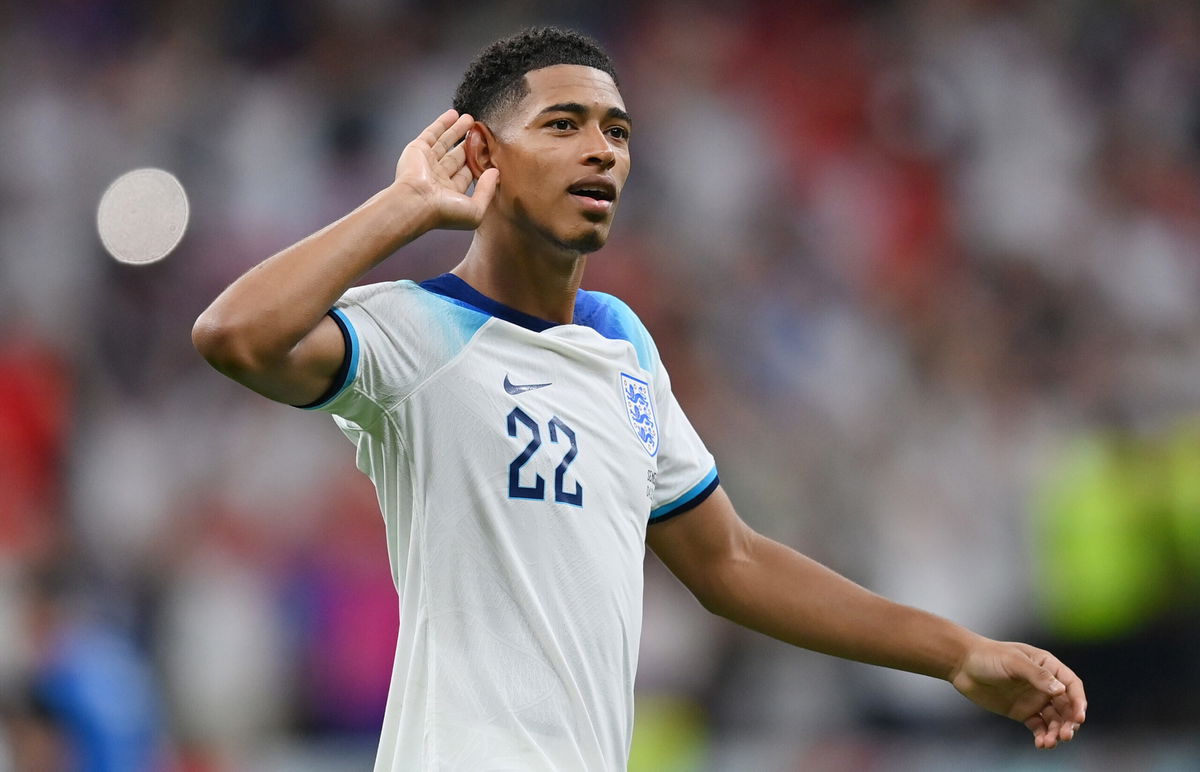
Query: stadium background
<point x="925" y="274"/>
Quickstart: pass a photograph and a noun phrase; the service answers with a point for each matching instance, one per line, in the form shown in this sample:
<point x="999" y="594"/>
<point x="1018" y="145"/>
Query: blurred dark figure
<point x="31" y="738"/>
<point x="93" y="704"/>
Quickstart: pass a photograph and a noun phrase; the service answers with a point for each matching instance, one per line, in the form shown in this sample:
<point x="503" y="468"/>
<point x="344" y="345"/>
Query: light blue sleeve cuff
<point x="349" y="368"/>
<point x="689" y="500"/>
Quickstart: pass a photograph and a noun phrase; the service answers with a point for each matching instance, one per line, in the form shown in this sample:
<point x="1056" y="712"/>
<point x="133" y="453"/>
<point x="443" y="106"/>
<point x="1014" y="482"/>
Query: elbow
<point x="222" y="345"/>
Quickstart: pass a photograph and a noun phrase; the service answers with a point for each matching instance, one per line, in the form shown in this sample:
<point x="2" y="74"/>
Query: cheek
<point x="526" y="178"/>
<point x="622" y="169"/>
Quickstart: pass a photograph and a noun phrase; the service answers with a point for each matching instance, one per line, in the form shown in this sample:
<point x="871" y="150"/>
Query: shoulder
<point x="613" y="318"/>
<point x="407" y="325"/>
<point x="403" y="304"/>
<point x="379" y="293"/>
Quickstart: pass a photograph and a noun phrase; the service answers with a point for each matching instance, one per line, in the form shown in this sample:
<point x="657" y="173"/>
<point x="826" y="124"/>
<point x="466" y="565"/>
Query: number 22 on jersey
<point x="520" y="425"/>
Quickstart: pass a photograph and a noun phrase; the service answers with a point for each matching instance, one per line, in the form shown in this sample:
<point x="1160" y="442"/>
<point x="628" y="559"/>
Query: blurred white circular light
<point x="142" y="216"/>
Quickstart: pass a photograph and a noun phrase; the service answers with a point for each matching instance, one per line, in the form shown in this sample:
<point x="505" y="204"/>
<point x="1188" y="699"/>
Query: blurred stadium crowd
<point x="925" y="273"/>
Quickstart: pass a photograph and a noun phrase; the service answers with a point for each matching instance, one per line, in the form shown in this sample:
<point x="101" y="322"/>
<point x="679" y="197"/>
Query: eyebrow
<point x="577" y="109"/>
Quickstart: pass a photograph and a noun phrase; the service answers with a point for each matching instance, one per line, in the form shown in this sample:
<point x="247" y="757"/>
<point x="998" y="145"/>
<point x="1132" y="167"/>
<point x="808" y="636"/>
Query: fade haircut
<point x="495" y="81"/>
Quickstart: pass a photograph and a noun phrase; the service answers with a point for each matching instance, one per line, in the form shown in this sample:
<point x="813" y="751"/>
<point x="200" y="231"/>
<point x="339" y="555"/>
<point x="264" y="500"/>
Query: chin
<point x="589" y="238"/>
<point x="587" y="242"/>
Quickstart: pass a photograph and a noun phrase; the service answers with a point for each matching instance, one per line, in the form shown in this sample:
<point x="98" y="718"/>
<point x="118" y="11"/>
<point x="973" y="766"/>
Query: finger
<point x="1071" y="708"/>
<point x="1050" y="735"/>
<point x="455" y="160"/>
<point x="1064" y="728"/>
<point x="485" y="187"/>
<point x="435" y="130"/>
<point x="461" y="179"/>
<point x="1040" y="677"/>
<point x="1037" y="726"/>
<point x="1074" y="696"/>
<point x="1051" y="715"/>
<point x="1054" y="723"/>
<point x="1071" y="702"/>
<point x="456" y="131"/>
<point x="1058" y="727"/>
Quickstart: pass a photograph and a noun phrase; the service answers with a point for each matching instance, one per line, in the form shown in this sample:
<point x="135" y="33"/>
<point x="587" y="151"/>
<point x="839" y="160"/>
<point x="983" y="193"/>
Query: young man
<point x="525" y="444"/>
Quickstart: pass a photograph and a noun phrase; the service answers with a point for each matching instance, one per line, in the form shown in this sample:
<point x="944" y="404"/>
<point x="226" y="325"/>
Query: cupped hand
<point x="1026" y="684"/>
<point x="433" y="167"/>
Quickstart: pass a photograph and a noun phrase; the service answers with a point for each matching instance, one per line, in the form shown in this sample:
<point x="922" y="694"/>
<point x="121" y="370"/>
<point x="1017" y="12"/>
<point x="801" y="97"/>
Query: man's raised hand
<point x="433" y="167"/>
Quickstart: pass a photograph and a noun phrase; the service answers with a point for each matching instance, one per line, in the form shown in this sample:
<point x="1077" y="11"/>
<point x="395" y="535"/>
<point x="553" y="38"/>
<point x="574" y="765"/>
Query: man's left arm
<point x="761" y="584"/>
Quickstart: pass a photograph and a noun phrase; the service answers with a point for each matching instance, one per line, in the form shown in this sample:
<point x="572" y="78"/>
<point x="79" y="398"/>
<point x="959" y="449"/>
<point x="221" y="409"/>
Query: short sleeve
<point x="396" y="335"/>
<point x="687" y="474"/>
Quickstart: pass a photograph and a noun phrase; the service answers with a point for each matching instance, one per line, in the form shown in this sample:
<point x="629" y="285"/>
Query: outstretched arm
<point x="741" y="575"/>
<point x="269" y="330"/>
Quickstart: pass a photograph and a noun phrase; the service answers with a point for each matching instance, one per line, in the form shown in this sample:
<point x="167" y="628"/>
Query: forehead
<point x="563" y="83"/>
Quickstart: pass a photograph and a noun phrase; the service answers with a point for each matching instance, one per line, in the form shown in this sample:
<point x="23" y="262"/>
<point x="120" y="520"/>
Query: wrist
<point x="406" y="214"/>
<point x="963" y="645"/>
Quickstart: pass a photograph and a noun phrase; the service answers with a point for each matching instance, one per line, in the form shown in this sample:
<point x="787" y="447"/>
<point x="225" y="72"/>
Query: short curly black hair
<point x="495" y="80"/>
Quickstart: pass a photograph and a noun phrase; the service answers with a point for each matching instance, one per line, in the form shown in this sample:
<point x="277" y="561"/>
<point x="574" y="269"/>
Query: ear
<point x="481" y="143"/>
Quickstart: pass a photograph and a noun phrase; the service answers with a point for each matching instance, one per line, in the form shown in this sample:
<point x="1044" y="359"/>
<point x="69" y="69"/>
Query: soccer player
<point x="526" y="447"/>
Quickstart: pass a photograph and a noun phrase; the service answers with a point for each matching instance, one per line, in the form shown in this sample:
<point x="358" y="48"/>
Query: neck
<point x="539" y="283"/>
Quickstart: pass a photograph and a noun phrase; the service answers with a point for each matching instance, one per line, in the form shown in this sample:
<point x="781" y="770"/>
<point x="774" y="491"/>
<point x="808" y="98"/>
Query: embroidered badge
<point x="639" y="405"/>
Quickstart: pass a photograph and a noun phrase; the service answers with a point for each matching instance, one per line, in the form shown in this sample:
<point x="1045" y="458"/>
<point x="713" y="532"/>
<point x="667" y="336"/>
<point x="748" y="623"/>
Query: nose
<point x="597" y="150"/>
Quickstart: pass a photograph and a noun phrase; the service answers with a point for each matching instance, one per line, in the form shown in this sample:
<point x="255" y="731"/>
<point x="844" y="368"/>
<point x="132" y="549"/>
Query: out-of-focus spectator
<point x="35" y="407"/>
<point x="94" y="703"/>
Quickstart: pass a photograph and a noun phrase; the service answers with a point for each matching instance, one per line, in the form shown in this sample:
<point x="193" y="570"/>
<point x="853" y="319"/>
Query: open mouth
<point x="595" y="194"/>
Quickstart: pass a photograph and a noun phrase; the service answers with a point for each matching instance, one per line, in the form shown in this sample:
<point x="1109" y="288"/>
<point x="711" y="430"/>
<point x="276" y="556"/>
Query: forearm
<point x="266" y="312"/>
<point x="781" y="593"/>
<point x="768" y="587"/>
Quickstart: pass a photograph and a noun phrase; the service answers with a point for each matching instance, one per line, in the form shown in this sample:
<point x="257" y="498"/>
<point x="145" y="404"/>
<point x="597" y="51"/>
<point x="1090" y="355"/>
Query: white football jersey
<point x="517" y="464"/>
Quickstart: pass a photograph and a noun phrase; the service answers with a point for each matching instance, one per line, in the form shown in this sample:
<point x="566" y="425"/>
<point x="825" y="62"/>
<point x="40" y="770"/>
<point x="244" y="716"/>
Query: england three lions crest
<point x="639" y="405"/>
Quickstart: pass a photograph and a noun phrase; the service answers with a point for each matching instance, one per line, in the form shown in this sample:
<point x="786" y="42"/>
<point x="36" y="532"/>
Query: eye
<point x="618" y="132"/>
<point x="561" y="124"/>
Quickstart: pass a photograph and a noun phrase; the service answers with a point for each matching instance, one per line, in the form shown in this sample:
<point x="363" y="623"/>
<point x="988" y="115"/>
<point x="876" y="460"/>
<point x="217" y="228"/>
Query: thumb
<point x="485" y="187"/>
<point x="1040" y="678"/>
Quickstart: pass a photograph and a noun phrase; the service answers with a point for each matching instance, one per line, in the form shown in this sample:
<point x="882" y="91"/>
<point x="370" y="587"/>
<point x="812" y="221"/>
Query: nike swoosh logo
<point x="518" y="388"/>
